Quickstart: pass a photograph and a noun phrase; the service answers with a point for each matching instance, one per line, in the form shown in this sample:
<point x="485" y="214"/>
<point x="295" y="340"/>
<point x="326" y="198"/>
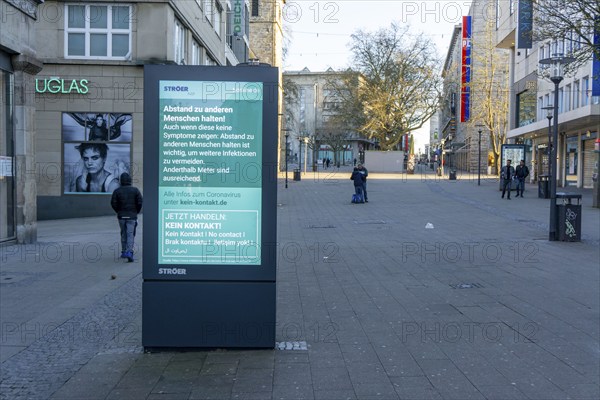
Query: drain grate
<point x="466" y="285"/>
<point x="320" y="226"/>
<point x="298" y="346"/>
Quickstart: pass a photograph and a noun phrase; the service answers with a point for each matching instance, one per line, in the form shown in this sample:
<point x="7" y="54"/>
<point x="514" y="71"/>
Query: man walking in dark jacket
<point x="521" y="173"/>
<point x="127" y="203"/>
<point x="506" y="176"/>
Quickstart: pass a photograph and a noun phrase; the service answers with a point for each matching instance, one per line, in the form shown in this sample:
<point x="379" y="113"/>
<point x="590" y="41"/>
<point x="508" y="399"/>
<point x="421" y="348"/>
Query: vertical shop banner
<point x="209" y="172"/>
<point x="525" y="25"/>
<point x="465" y="91"/>
<point x="596" y="59"/>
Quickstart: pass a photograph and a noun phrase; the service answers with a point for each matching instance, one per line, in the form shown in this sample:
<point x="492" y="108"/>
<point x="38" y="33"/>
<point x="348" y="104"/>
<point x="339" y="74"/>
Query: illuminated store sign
<point x="58" y="85"/>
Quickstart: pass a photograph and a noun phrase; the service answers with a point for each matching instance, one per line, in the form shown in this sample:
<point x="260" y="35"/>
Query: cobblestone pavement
<point x="435" y="289"/>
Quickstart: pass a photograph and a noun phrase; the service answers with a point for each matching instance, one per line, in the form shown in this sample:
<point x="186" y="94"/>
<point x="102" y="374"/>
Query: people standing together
<point x="509" y="174"/>
<point x="359" y="176"/>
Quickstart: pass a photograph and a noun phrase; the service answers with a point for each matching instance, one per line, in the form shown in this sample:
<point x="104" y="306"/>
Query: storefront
<point x="89" y="125"/>
<point x="7" y="150"/>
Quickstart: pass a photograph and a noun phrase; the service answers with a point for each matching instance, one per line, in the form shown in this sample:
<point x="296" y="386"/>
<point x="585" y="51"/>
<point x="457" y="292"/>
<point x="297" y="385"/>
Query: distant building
<point x="310" y="118"/>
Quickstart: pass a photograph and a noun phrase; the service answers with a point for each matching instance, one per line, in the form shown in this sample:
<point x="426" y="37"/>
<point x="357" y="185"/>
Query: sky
<point x="320" y="30"/>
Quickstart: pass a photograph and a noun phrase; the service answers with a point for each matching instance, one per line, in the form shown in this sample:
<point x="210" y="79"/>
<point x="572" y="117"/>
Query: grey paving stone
<point x="219" y="368"/>
<point x="292" y="374"/>
<point x="174" y="385"/>
<point x="375" y="391"/>
<point x="335" y="395"/>
<point x="501" y="392"/>
<point x="293" y="392"/>
<point x="327" y="379"/>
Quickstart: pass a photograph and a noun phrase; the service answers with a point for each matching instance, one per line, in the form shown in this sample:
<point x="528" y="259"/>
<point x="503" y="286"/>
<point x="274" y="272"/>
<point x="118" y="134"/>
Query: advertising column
<point x="210" y="149"/>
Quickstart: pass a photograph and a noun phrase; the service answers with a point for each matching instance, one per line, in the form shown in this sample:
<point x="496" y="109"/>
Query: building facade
<point x="266" y="43"/>
<point x="19" y="65"/>
<point x="578" y="110"/>
<point x="89" y="94"/>
<point x="310" y="120"/>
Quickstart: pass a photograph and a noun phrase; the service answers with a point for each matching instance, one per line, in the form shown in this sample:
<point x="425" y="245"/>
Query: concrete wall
<point x="384" y="161"/>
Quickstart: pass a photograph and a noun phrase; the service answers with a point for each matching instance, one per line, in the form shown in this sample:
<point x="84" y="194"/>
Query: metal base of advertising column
<point x="213" y="314"/>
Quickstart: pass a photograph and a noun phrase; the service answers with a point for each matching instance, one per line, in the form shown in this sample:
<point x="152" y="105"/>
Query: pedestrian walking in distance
<point x="521" y="172"/>
<point x="506" y="175"/>
<point x="127" y="203"/>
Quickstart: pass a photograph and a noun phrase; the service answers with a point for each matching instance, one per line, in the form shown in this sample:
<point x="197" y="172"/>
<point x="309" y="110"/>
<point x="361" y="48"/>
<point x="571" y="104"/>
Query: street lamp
<point x="549" y="112"/>
<point x="300" y="139"/>
<point x="287" y="135"/>
<point x="479" y="155"/>
<point x="556" y="63"/>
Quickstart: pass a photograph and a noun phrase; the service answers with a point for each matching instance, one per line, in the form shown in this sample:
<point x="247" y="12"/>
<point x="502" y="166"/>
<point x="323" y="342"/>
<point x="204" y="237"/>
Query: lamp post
<point x="479" y="129"/>
<point x="300" y="139"/>
<point x="287" y="135"/>
<point x="556" y="63"/>
<point x="549" y="113"/>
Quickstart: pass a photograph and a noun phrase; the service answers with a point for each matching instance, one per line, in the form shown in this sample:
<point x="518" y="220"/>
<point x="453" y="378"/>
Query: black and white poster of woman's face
<point x="96" y="150"/>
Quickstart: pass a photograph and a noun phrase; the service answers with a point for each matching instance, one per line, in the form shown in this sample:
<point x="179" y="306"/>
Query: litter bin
<point x="569" y="217"/>
<point x="544" y="186"/>
<point x="452" y="175"/>
<point x="297" y="174"/>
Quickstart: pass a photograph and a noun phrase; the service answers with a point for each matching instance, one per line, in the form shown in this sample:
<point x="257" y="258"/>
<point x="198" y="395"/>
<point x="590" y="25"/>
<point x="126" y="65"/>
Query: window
<point x="208" y="9"/>
<point x="196" y="55"/>
<point x="217" y="18"/>
<point x="512" y="6"/>
<point x="567" y="98"/>
<point x="98" y="32"/>
<point x="255" y="8"/>
<point x="526" y="104"/>
<point x="576" y="94"/>
<point x="542" y="52"/>
<point x="541" y="114"/>
<point x="585" y="90"/>
<point x="561" y="107"/>
<point x="179" y="44"/>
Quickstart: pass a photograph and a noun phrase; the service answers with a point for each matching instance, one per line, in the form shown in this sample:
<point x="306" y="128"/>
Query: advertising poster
<point x="96" y="150"/>
<point x="209" y="172"/>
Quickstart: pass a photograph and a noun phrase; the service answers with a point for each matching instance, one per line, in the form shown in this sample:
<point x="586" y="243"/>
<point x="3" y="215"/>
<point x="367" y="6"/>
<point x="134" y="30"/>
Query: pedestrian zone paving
<point x="434" y="289"/>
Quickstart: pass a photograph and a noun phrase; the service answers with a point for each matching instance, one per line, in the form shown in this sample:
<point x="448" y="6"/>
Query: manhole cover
<point x="466" y="285"/>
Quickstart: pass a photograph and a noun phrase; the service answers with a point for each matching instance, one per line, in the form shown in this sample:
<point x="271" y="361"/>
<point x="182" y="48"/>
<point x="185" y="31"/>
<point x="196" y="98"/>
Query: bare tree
<point x="490" y="89"/>
<point x="571" y="23"/>
<point x="396" y="89"/>
<point x="336" y="134"/>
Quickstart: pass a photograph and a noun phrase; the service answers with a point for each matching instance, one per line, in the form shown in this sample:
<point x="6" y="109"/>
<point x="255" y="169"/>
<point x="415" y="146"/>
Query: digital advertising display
<point x="209" y="169"/>
<point x="210" y="206"/>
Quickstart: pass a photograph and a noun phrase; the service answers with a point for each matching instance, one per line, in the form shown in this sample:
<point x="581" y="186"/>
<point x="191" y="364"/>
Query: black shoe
<point x="509" y="198"/>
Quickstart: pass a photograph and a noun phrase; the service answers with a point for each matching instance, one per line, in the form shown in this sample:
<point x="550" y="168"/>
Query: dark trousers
<point x="505" y="187"/>
<point x="364" y="188"/>
<point x="127" y="234"/>
<point x="520" y="185"/>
